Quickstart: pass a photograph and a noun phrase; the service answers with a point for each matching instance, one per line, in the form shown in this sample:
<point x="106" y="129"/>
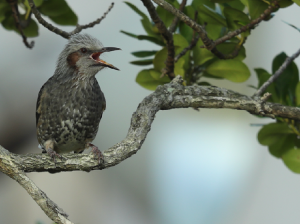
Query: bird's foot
<point x="54" y="155"/>
<point x="96" y="152"/>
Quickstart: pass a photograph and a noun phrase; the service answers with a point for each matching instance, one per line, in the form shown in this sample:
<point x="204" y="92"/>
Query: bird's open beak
<point x="95" y="57"/>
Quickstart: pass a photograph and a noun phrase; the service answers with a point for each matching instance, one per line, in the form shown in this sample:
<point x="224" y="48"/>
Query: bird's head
<point x="81" y="56"/>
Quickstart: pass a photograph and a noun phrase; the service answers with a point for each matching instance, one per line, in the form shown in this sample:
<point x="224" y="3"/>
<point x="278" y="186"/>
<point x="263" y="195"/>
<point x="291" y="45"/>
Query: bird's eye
<point x="83" y="50"/>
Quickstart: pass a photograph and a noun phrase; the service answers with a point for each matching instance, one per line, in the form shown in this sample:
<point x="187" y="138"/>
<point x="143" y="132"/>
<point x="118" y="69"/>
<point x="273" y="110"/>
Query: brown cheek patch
<point x="72" y="59"/>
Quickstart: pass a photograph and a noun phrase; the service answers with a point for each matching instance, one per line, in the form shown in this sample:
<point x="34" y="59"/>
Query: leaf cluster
<point x="57" y="10"/>
<point x="219" y="17"/>
<point x="282" y="137"/>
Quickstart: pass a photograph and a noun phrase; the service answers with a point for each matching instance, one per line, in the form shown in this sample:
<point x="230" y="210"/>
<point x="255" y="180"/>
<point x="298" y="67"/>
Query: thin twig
<point x="169" y="69"/>
<point x="209" y="44"/>
<point x="15" y="12"/>
<point x="250" y="25"/>
<point x="92" y="24"/>
<point x="284" y="65"/>
<point x="195" y="26"/>
<point x="60" y="32"/>
<point x="192" y="44"/>
<point x="236" y="50"/>
<point x="176" y="19"/>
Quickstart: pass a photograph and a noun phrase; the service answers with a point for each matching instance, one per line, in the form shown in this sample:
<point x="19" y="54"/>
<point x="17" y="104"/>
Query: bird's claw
<point x="97" y="153"/>
<point x="54" y="155"/>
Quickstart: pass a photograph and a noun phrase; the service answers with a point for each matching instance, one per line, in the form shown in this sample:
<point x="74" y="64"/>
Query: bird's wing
<point x="38" y="105"/>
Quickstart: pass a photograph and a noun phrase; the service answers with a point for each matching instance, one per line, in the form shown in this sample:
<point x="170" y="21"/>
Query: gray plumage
<point x="70" y="104"/>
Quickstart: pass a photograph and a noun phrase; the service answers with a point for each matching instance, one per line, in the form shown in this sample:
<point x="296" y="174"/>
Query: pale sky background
<point x="194" y="168"/>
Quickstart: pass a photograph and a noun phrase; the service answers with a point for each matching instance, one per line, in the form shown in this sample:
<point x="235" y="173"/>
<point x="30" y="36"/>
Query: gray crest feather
<point x="76" y="42"/>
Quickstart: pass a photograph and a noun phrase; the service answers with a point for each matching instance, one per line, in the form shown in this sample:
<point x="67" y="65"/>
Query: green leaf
<point x="144" y="37"/>
<point x="159" y="59"/>
<point x="36" y="2"/>
<point x="256" y="8"/>
<point x="208" y="3"/>
<point x="178" y="68"/>
<point x="205" y="74"/>
<point x="9" y="23"/>
<point x="297" y="93"/>
<point x="209" y="16"/>
<point x="283" y="144"/>
<point x="151" y="39"/>
<point x="180" y="41"/>
<point x="54" y="8"/>
<point x="204" y="84"/>
<point x="148" y="27"/>
<point x="292" y="25"/>
<point x="291" y="159"/>
<point x="229" y="47"/>
<point x="67" y="19"/>
<point x="59" y="12"/>
<point x="236" y="4"/>
<point x="285" y="3"/>
<point x="213" y="31"/>
<point x="285" y="84"/>
<point x="235" y="18"/>
<point x="297" y="2"/>
<point x="165" y="16"/>
<point x="146" y="80"/>
<point x="143" y="54"/>
<point x="32" y="29"/>
<point x="142" y="62"/>
<point x="129" y="34"/>
<point x="233" y="70"/>
<point x="4" y="8"/>
<point x="201" y="55"/>
<point x="278" y="136"/>
<point x="157" y="76"/>
<point x="186" y="31"/>
<point x="221" y="1"/>
<point x="134" y="8"/>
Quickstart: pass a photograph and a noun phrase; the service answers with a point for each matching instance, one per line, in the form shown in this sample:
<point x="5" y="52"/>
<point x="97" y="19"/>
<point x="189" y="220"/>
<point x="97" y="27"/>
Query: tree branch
<point x="60" y="32"/>
<point x="169" y="70"/>
<point x="15" y="13"/>
<point x="192" y="44"/>
<point x="176" y="19"/>
<point x="250" y="25"/>
<point x="208" y="43"/>
<point x="188" y="21"/>
<point x="169" y="96"/>
<point x="284" y="65"/>
<point x="15" y="171"/>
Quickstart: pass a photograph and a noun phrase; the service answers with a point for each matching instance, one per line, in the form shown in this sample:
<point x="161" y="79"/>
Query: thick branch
<point x="15" y="171"/>
<point x="169" y="70"/>
<point x="166" y="97"/>
<point x="169" y="96"/>
<point x="60" y="32"/>
<point x="284" y="65"/>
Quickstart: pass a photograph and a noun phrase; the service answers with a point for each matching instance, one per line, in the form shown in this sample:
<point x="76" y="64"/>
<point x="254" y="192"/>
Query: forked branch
<point x="60" y="32"/>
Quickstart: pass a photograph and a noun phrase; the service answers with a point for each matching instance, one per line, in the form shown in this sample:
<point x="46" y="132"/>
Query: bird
<point x="70" y="104"/>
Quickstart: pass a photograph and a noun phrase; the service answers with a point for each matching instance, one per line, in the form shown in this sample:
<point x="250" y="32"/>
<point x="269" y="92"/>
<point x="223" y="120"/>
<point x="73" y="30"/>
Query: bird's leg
<point x="49" y="147"/>
<point x="96" y="152"/>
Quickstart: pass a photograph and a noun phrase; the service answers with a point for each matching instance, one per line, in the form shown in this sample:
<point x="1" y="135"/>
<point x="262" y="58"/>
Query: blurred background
<point x="194" y="167"/>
